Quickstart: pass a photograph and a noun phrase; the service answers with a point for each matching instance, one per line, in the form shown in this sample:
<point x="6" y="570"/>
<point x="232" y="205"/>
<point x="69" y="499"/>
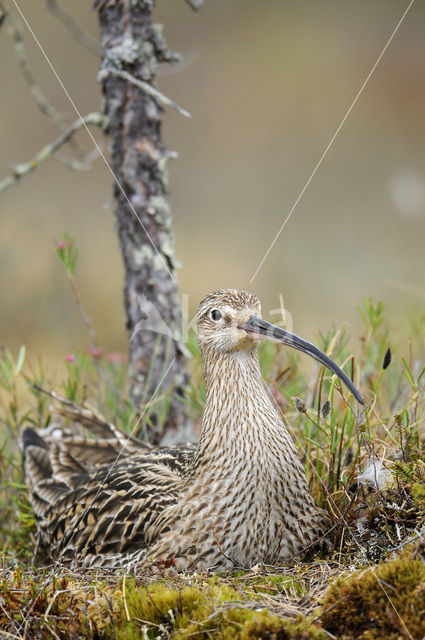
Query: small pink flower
<point x="115" y="357"/>
<point x="95" y="352"/>
<point x="70" y="357"/>
<point x="61" y="245"/>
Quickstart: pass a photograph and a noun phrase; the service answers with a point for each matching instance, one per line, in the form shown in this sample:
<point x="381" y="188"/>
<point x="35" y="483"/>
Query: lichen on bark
<point x="133" y="46"/>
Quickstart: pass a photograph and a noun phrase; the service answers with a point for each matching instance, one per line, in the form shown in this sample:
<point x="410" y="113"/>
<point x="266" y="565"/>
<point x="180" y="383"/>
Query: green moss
<point x="405" y="471"/>
<point x="272" y="584"/>
<point x="418" y="492"/>
<point x="272" y="627"/>
<point x="387" y="601"/>
<point x="76" y="606"/>
<point x="208" y="610"/>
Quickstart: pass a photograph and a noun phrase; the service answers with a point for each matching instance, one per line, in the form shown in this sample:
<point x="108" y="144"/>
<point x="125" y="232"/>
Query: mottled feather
<point x="239" y="497"/>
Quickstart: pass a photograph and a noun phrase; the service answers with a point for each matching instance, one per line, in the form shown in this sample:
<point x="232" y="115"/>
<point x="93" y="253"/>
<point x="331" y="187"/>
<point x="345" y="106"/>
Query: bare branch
<point x="145" y="86"/>
<point x="42" y="101"/>
<point x="76" y="30"/>
<point x="21" y="170"/>
<point x="85" y="163"/>
<point x="184" y="63"/>
<point x="71" y="163"/>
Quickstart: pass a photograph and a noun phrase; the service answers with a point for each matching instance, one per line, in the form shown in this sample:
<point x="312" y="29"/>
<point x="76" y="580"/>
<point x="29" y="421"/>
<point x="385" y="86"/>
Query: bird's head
<point x="219" y="316"/>
<point x="229" y="320"/>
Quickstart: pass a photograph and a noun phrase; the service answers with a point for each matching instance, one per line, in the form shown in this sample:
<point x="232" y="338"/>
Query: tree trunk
<point x="131" y="45"/>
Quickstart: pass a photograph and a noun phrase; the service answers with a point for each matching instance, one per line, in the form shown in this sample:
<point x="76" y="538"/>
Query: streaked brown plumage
<point x="239" y="497"/>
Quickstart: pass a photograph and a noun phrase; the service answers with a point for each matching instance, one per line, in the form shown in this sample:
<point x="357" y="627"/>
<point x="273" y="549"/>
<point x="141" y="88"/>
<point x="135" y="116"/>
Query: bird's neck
<point x="244" y="498"/>
<point x="239" y="417"/>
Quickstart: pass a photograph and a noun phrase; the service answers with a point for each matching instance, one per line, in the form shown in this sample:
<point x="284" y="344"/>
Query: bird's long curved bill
<point x="265" y="331"/>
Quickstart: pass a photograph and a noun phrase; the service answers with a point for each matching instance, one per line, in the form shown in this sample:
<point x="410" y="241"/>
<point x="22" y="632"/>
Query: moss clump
<point x="272" y="627"/>
<point x="387" y="601"/>
<point x="209" y="610"/>
<point x="100" y="607"/>
<point x="418" y="493"/>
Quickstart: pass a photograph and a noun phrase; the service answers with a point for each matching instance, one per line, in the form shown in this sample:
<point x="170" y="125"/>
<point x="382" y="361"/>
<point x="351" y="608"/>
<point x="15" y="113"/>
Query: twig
<point x="46" y="613"/>
<point x="52" y="394"/>
<point x="75" y="165"/>
<point x="153" y="601"/>
<point x="7" y="634"/>
<point x="184" y="63"/>
<point x="235" y="564"/>
<point x="76" y="30"/>
<point x="52" y="631"/>
<point x="145" y="86"/>
<point x="235" y="604"/>
<point x="21" y="170"/>
<point x="125" y="599"/>
<point x="148" y="622"/>
<point x="326" y="611"/>
<point x="42" y="101"/>
<point x="316" y="541"/>
<point x="82" y="312"/>
<point x="418" y="535"/>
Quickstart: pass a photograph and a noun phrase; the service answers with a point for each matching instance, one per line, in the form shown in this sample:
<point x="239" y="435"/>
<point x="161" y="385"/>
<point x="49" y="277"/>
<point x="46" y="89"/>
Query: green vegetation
<point x="383" y="602"/>
<point x="370" y="586"/>
<point x="202" y="607"/>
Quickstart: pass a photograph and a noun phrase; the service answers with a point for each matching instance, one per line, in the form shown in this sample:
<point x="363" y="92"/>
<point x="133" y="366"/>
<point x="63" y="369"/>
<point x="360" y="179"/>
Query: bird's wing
<point x="90" y="419"/>
<point x="98" y="497"/>
<point x="109" y="510"/>
<point x="82" y="513"/>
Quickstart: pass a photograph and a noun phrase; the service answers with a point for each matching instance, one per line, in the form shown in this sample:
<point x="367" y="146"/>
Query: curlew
<point x="238" y="498"/>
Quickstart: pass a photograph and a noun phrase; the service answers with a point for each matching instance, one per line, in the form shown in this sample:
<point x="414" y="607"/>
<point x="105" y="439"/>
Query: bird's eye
<point x="216" y="314"/>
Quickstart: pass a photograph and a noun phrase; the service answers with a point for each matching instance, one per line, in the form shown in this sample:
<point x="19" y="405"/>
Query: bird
<point x="237" y="498"/>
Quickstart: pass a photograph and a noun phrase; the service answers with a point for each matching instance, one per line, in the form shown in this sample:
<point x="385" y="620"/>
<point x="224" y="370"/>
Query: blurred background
<point x="267" y="84"/>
